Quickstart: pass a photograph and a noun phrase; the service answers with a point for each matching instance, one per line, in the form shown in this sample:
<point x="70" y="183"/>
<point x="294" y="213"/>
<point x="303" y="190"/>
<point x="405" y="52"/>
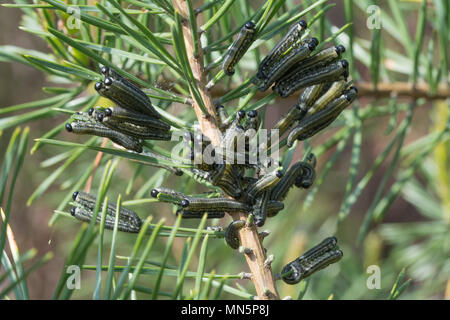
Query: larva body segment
<point x="120" y="114"/>
<point x="321" y="58"/>
<point x="260" y="208"/>
<point x="294" y="34"/>
<point x="300" y="170"/>
<point x="294" y="81"/>
<point x="138" y="132"/>
<point x="186" y="214"/>
<point x="332" y="93"/>
<point x="312" y="261"/>
<point x="238" y="48"/>
<point x="98" y="129"/>
<point x="266" y="182"/>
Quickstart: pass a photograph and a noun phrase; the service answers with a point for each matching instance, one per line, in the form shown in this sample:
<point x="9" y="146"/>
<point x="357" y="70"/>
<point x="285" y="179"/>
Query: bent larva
<point x="213" y="205"/>
<point x="265" y="182"/>
<point x="306" y="179"/>
<point x="315" y="259"/>
<point x="299" y="169"/>
<point x="309" y="126"/>
<point x="238" y="48"/>
<point x="87" y="215"/>
<point x="298" y="53"/>
<point x="320" y="58"/>
<point x="232" y="235"/>
<point x="294" y="33"/>
<point x="294" y="81"/>
<point x="139" y="132"/>
<point x="117" y="113"/>
<point x="186" y="214"/>
<point x="260" y="208"/>
<point x="88" y="201"/>
<point x="101" y="130"/>
<point x="332" y="93"/>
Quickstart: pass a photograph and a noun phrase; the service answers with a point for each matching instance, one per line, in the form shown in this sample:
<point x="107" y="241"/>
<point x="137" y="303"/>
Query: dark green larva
<point x="120" y="114"/>
<point x="213" y="205"/>
<point x="266" y="182"/>
<point x="186" y="214"/>
<point x="260" y="208"/>
<point x="321" y="58"/>
<point x="299" y="171"/>
<point x="98" y="129"/>
<point x="138" y="132"/>
<point x="332" y="93"/>
<point x="232" y="235"/>
<point x="312" y="261"/>
<point x="238" y="48"/>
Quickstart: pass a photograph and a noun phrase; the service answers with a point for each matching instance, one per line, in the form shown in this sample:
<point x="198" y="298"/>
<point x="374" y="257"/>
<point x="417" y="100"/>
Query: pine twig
<point x="262" y="276"/>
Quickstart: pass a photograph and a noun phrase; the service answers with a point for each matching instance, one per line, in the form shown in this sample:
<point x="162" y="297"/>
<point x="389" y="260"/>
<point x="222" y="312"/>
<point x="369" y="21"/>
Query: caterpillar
<point x="238" y="48"/>
<point x="86" y="215"/>
<point x="321" y="58"/>
<point x="213" y="205"/>
<point x="294" y="81"/>
<point x="286" y="62"/>
<point x="139" y="132"/>
<point x="101" y="130"/>
<point x="231" y="233"/>
<point x="119" y="114"/>
<point x="315" y="259"/>
<point x="309" y="126"/>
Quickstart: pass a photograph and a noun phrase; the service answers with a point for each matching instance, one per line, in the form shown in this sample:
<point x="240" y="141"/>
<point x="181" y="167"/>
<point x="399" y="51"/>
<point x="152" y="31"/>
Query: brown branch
<point x="262" y="276"/>
<point x="384" y="90"/>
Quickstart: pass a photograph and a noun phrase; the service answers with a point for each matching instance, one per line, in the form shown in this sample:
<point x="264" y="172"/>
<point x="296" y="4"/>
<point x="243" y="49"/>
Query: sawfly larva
<point x="239" y="48"/>
<point x="86" y="215"/>
<point x="312" y="261"/>
<point x="213" y="205"/>
<point x="101" y="130"/>
<point x="259" y="209"/>
<point x="322" y="57"/>
<point x="138" y="132"/>
<point x="120" y="114"/>
<point x="265" y="182"/>
<point x="232" y="235"/>
<point x="300" y="170"/>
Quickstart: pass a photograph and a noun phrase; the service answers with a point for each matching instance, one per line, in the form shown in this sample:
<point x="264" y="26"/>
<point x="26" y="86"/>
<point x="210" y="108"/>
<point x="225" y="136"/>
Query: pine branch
<point x="262" y="276"/>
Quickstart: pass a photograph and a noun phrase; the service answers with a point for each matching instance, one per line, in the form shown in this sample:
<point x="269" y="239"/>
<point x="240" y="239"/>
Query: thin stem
<point x="262" y="276"/>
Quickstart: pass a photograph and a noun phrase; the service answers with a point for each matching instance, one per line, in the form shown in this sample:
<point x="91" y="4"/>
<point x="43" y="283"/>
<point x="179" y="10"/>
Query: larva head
<point x="108" y="81"/>
<point x="315" y="41"/>
<point x="279" y="174"/>
<point x="105" y="70"/>
<point x="98" y="86"/>
<point x="108" y="112"/>
<point x="241" y="114"/>
<point x="184" y="203"/>
<point x="90" y="111"/>
<point x="252" y="113"/>
<point x="340" y="49"/>
<point x="250" y="25"/>
<point x="72" y="211"/>
<point x="75" y="195"/>
<point x="100" y="116"/>
<point x="154" y="193"/>
<point x="290" y="274"/>
<point x="179" y="173"/>
<point x="259" y="222"/>
<point x="311" y="46"/>
<point x="351" y="94"/>
<point x="344" y="63"/>
<point x="303" y="24"/>
<point x="69" y="127"/>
